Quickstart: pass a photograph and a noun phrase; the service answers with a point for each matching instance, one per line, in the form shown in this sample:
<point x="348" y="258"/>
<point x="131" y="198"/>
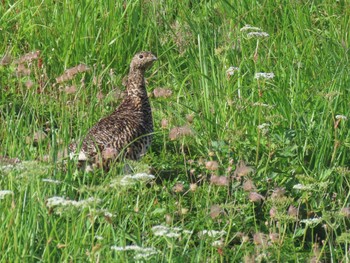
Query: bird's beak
<point x="154" y="58"/>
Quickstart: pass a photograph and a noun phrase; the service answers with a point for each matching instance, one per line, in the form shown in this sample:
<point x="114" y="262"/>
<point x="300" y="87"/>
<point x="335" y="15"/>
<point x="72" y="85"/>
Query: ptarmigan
<point x="127" y="132"/>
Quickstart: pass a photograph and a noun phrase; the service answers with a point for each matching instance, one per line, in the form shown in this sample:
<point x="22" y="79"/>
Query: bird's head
<point x="143" y="60"/>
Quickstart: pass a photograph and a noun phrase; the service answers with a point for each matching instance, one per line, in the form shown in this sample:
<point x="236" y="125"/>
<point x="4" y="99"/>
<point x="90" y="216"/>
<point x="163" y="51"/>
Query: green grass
<point x="302" y="145"/>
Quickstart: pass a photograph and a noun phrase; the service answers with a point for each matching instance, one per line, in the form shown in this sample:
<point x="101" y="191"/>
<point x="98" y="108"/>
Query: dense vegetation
<point x="251" y="149"/>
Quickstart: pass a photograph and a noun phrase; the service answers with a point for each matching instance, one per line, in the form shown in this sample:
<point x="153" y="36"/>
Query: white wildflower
<point x="101" y="212"/>
<point x="3" y="193"/>
<point x="231" y="71"/>
<point x="260" y="104"/>
<point x="127" y="248"/>
<point x="211" y="233"/>
<point x="97" y="237"/>
<point x="187" y="232"/>
<point x="263" y="75"/>
<point x="132" y="179"/>
<point x="249" y="27"/>
<point x="160" y="230"/>
<point x="263" y="126"/>
<point x="143" y="177"/>
<point x="56" y="201"/>
<point x="6" y="168"/>
<point x="48" y="180"/>
<point x="85" y="202"/>
<point x="127" y="180"/>
<point x="60" y="201"/>
<point x="302" y="187"/>
<point x="311" y="221"/>
<point x="108" y="214"/>
<point x="217" y="243"/>
<point x="142" y="252"/>
<point x="257" y="34"/>
<point x="172" y="234"/>
<point x="145" y="254"/>
<point x="166" y="231"/>
<point x="341" y="117"/>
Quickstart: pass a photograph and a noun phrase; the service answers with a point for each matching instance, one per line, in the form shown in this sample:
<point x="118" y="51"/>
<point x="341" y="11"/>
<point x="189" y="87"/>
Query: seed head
<point x="242" y="169"/>
<point x="293" y="211"/>
<point x="189" y="118"/>
<point x="263" y="75"/>
<point x="178" y="188"/>
<point x="249" y="186"/>
<point x="258" y="35"/>
<point x="345" y="211"/>
<point x="178" y="132"/>
<point x="255" y="197"/>
<point x="164" y="123"/>
<point x="215" y="211"/>
<point x="219" y="180"/>
<point x="273" y="212"/>
<point x="193" y="187"/>
<point x="278" y="193"/>
<point x="212" y="165"/>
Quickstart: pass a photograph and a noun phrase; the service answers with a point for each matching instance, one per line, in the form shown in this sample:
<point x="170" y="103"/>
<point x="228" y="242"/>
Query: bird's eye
<point x="141" y="56"/>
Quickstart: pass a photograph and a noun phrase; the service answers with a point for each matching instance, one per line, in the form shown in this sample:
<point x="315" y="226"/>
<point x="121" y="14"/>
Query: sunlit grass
<point x="250" y="154"/>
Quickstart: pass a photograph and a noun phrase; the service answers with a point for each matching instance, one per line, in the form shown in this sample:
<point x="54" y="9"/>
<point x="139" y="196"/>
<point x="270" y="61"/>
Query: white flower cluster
<point x="212" y="233"/>
<point x="52" y="181"/>
<point x="312" y="221"/>
<point x="253" y="31"/>
<point x="60" y="201"/>
<point x="3" y="193"/>
<point x="341" y="117"/>
<point x="6" y="168"/>
<point x="217" y="243"/>
<point x="260" y="104"/>
<point x="302" y="187"/>
<point x="263" y="126"/>
<point x="250" y="28"/>
<point x="263" y="75"/>
<point x="257" y="34"/>
<point x="141" y="252"/>
<point x="132" y="179"/>
<point x="97" y="237"/>
<point x="231" y="70"/>
<point x="161" y="230"/>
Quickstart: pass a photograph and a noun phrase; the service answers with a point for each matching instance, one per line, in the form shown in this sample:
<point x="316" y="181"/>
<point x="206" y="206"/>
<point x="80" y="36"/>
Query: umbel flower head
<point x="3" y="193"/>
<point x="254" y="32"/>
<point x="264" y="75"/>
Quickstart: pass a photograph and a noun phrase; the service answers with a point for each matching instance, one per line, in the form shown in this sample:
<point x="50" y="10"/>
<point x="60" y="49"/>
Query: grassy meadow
<point x="250" y="158"/>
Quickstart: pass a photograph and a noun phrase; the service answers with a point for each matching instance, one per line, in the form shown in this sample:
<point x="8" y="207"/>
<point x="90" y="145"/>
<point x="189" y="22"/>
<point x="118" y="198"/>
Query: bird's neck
<point x="136" y="86"/>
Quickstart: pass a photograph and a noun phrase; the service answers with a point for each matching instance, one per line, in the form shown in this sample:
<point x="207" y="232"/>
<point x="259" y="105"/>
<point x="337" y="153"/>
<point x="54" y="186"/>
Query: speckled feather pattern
<point x="128" y="130"/>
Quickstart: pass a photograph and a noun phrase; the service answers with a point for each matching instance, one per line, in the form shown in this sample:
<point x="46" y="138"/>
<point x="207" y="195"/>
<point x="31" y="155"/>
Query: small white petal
<point x="341" y="117"/>
<point x="257" y="35"/>
<point x="212" y="233"/>
<point x="263" y="126"/>
<point x="302" y="187"/>
<point x="249" y="27"/>
<point x="48" y="180"/>
<point x="231" y="71"/>
<point x="263" y="75"/>
<point x="311" y="221"/>
<point x="3" y="193"/>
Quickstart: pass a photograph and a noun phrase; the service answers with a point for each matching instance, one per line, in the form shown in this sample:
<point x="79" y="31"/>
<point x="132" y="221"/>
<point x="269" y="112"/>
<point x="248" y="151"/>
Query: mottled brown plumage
<point x="127" y="132"/>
